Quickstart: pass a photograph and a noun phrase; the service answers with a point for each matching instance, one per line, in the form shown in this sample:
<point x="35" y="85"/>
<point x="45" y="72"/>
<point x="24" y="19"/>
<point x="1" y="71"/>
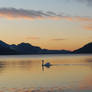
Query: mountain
<point x="85" y="49"/>
<point x="4" y="44"/>
<point x="5" y="49"/>
<point x="46" y="51"/>
<point x="26" y="48"/>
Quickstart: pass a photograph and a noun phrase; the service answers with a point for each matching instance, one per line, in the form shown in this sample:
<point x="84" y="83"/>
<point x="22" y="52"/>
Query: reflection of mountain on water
<point x="15" y="64"/>
<point x="2" y="66"/>
<point x="89" y="60"/>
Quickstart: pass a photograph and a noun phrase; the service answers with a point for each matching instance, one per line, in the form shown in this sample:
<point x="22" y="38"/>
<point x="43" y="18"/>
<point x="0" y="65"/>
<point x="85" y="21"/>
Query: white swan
<point x="46" y="64"/>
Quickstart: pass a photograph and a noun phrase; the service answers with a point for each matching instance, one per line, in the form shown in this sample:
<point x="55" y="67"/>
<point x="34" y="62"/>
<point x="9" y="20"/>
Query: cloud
<point x="27" y="14"/>
<point x="32" y="38"/>
<point x="88" y="27"/>
<point x="57" y="39"/>
<point x="13" y="13"/>
<point x="86" y="19"/>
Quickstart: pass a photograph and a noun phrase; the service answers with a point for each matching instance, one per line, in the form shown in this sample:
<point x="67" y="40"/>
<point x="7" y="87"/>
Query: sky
<point x="50" y="24"/>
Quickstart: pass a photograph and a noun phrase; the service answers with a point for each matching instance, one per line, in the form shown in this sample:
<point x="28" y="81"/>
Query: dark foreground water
<point x="24" y="73"/>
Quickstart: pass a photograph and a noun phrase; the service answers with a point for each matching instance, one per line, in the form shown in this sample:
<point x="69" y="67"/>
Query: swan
<point x="46" y="64"/>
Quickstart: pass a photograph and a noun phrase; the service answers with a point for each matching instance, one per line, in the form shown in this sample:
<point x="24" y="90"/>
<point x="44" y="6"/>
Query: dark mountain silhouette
<point x="5" y="49"/>
<point x="4" y="44"/>
<point x="26" y="48"/>
<point x="46" y="51"/>
<point x="85" y="49"/>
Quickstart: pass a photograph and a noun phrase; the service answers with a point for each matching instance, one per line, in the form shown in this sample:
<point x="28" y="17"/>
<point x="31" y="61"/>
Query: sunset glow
<point x="50" y="26"/>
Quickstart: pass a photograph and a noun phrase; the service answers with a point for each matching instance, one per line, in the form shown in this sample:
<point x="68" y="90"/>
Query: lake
<point x="24" y="73"/>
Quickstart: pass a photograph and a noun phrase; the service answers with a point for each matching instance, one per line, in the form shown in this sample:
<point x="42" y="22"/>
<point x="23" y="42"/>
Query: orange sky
<point x="58" y="26"/>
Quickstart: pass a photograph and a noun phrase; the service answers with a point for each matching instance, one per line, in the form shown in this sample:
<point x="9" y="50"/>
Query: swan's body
<point x="46" y="64"/>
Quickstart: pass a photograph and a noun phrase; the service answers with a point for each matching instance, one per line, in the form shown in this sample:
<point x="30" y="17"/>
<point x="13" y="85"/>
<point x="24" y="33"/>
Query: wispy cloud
<point x="12" y="13"/>
<point x="86" y="19"/>
<point x="33" y="38"/>
<point x="27" y="14"/>
<point x="88" y="27"/>
<point x="57" y="39"/>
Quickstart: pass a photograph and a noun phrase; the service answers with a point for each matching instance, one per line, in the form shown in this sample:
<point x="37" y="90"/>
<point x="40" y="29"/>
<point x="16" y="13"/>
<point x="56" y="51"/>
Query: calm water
<point x="24" y="73"/>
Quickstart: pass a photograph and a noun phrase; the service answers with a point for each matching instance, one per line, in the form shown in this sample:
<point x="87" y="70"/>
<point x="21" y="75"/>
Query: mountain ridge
<point x="26" y="48"/>
<point x="85" y="49"/>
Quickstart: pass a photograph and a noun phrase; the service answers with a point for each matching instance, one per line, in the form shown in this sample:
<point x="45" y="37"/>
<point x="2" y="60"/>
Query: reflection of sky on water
<point x="67" y="73"/>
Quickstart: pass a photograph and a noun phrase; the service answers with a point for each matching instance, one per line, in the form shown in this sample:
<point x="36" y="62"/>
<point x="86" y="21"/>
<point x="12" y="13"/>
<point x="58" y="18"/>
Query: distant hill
<point x="5" y="49"/>
<point x="85" y="49"/>
<point x="26" y="48"/>
<point x="46" y="51"/>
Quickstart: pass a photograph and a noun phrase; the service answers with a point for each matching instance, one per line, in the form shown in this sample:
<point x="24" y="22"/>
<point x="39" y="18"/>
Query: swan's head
<point x="42" y="62"/>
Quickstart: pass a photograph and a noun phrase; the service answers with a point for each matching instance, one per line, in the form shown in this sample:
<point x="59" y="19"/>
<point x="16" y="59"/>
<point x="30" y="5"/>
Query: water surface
<point x="68" y="73"/>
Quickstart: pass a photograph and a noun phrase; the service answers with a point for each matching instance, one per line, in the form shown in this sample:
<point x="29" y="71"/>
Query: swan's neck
<point x="42" y="62"/>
